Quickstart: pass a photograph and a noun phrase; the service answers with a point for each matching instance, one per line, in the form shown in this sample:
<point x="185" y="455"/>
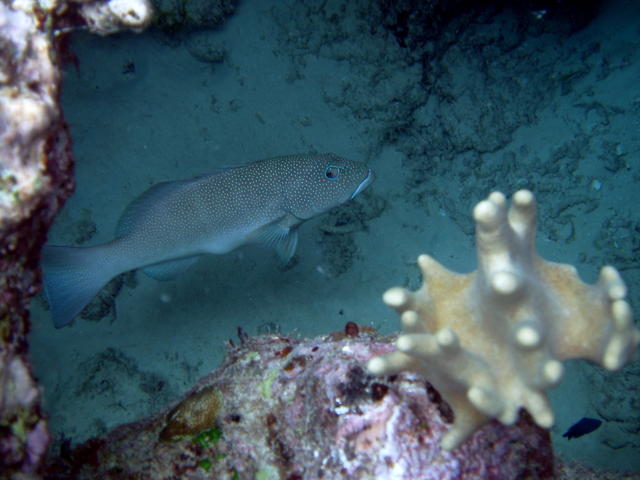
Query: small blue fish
<point x="172" y="224"/>
<point x="583" y="427"/>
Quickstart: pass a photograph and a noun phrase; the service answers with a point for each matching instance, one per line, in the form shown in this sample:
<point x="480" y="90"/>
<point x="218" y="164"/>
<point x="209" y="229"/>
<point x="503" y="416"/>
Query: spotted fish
<point x="172" y="224"/>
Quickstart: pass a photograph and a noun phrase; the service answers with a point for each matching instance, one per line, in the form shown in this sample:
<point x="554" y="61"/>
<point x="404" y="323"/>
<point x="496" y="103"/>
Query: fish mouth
<point x="364" y="183"/>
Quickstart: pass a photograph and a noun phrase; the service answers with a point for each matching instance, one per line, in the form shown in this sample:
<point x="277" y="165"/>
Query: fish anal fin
<point x="170" y="269"/>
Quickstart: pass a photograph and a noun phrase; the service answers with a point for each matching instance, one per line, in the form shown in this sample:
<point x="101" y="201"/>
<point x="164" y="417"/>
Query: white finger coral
<point x="493" y="341"/>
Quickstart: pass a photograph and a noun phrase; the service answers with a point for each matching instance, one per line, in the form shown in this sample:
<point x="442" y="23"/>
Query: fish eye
<point x="332" y="172"/>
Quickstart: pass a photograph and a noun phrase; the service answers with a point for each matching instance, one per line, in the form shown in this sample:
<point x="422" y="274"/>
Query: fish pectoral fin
<point x="168" y="270"/>
<point x="283" y="238"/>
<point x="286" y="247"/>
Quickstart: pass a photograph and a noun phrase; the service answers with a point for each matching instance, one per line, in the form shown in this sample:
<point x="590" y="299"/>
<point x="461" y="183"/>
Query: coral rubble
<point x="111" y="16"/>
<point x="493" y="341"/>
<point x="281" y="408"/>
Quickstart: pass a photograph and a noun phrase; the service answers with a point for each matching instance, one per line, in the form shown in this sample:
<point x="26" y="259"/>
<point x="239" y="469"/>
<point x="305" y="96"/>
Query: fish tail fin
<point x="72" y="277"/>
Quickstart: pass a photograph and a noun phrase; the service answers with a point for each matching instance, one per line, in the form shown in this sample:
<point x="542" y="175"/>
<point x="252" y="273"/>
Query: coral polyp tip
<point x="377" y="366"/>
<point x="528" y="336"/>
<point x="493" y="341"/>
<point x="396" y="297"/>
<point x="505" y="283"/>
<point x="553" y="371"/>
<point x="486" y="215"/>
<point x="523" y="198"/>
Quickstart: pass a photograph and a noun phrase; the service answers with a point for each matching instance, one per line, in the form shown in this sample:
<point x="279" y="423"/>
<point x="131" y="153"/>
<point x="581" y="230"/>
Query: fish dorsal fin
<point x="277" y="234"/>
<point x="139" y="207"/>
<point x="170" y="269"/>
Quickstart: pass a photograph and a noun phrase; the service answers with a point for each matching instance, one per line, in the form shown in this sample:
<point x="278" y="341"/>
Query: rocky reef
<point x="493" y="341"/>
<point x="283" y="408"/>
<point x="35" y="179"/>
<point x="478" y="350"/>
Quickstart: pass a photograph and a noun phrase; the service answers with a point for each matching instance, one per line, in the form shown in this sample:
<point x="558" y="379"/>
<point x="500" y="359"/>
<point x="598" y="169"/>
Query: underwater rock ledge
<point x="36" y="177"/>
<point x="286" y="408"/>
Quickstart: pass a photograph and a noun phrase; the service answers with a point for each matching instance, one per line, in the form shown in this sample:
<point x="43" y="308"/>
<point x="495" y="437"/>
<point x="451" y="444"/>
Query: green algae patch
<point x="205" y="464"/>
<point x="267" y="473"/>
<point x="208" y="438"/>
<point x="267" y="383"/>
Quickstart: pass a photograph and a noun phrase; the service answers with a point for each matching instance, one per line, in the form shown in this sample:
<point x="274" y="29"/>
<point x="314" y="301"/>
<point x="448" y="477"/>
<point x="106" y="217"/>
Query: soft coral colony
<point x="493" y="341"/>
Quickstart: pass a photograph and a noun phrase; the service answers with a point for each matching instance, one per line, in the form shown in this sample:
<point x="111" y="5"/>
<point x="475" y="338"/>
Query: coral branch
<point x="492" y="341"/>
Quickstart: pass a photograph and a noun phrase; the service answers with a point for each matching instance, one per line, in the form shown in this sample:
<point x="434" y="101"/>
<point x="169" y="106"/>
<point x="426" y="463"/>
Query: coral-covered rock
<point x="35" y="178"/>
<point x="286" y="408"/>
<point x="111" y="16"/>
